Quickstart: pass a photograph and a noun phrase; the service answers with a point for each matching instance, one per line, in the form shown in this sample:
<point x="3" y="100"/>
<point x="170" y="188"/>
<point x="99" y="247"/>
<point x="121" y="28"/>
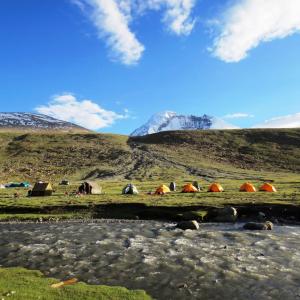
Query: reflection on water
<point x="216" y="262"/>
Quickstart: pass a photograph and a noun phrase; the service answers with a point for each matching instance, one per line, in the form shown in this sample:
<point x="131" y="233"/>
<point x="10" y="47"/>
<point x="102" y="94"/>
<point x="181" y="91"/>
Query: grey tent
<point x="130" y="189"/>
<point x="197" y="185"/>
<point x="172" y="186"/>
<point x="64" y="182"/>
<point x="41" y="189"/>
<point x="90" y="188"/>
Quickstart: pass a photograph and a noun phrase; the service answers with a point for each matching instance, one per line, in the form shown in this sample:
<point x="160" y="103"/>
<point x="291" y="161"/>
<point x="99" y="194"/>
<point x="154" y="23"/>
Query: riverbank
<point x="278" y="213"/>
<point x="20" y="284"/>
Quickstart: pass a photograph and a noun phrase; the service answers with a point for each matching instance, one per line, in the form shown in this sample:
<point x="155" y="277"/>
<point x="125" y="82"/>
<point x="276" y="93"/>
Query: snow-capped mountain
<point x="169" y="120"/>
<point x="30" y="121"/>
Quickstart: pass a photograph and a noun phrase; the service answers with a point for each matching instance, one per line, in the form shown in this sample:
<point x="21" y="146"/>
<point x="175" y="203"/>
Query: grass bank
<point x="21" y="284"/>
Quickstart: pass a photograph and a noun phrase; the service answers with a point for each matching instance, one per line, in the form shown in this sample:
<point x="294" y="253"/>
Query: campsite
<point x="66" y="203"/>
<point x="130" y="200"/>
<point x="150" y="150"/>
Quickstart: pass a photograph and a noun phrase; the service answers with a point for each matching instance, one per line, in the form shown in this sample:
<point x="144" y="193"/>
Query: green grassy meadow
<point x="65" y="202"/>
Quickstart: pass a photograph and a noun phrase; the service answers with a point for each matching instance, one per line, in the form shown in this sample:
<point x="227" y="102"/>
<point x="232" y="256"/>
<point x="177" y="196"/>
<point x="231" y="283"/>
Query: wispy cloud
<point x="112" y="18"/>
<point x="177" y="15"/>
<point x="289" y="121"/>
<point x="238" y="116"/>
<point x="248" y="23"/>
<point x="86" y="113"/>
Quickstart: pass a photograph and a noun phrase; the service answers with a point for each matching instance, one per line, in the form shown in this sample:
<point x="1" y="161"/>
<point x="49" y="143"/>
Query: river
<point x="216" y="262"/>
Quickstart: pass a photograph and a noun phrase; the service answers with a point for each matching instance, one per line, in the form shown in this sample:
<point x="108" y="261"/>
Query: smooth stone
<point x="259" y="226"/>
<point x="226" y="214"/>
<point x="184" y="225"/>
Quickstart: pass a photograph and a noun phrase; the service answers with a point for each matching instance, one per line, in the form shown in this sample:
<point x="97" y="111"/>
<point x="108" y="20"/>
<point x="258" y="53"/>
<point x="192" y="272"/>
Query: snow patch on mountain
<point x="35" y="122"/>
<point x="170" y="120"/>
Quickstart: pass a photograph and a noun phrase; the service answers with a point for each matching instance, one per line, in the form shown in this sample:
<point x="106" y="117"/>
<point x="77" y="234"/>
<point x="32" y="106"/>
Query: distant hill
<point x="169" y="120"/>
<point x="36" y="122"/>
<point x="174" y="154"/>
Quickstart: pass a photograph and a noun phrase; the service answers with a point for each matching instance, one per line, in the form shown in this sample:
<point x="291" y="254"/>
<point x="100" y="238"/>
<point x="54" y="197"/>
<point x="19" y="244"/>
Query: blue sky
<point x="74" y="59"/>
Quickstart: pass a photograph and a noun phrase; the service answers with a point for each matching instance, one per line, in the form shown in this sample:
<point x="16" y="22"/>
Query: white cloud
<point x="85" y="113"/>
<point x="112" y="19"/>
<point x="248" y="23"/>
<point x="289" y="121"/>
<point x="177" y="14"/>
<point x="238" y="116"/>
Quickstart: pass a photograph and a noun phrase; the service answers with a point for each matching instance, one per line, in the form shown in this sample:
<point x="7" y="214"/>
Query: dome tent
<point x="247" y="187"/>
<point x="189" y="188"/>
<point x="24" y="184"/>
<point x="64" y="182"/>
<point x="215" y="188"/>
<point x="267" y="187"/>
<point x="130" y="189"/>
<point x="162" y="189"/>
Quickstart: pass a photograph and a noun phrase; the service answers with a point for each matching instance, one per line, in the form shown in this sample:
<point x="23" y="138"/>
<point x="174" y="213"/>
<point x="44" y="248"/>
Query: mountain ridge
<point x="23" y="121"/>
<point x="169" y="120"/>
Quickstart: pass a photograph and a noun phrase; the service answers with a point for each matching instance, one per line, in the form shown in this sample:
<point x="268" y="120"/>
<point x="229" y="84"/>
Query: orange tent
<point x="162" y="189"/>
<point x="267" y="187"/>
<point x="189" y="188"/>
<point x="248" y="187"/>
<point x="216" y="188"/>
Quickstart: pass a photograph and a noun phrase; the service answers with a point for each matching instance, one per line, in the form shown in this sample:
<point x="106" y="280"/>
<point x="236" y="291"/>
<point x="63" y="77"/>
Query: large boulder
<point x="259" y="226"/>
<point x="184" y="225"/>
<point x="226" y="214"/>
<point x="198" y="215"/>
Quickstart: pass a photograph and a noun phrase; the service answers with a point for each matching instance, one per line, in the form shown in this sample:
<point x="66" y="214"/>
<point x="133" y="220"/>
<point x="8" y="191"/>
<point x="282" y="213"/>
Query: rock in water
<point x="226" y="214"/>
<point x="184" y="225"/>
<point x="259" y="226"/>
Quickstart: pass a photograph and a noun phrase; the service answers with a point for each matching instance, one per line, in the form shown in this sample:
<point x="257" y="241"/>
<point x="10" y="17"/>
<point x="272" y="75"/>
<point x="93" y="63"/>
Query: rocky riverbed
<point x="215" y="262"/>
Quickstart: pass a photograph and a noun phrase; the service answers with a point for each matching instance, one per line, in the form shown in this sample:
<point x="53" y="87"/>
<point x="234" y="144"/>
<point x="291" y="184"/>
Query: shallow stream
<point x="217" y="262"/>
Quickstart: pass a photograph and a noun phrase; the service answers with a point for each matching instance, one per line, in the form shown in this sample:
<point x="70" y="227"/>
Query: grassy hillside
<point x="235" y="154"/>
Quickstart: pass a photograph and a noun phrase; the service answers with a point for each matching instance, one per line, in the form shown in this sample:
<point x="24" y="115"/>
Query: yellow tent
<point x="248" y="187"/>
<point x="162" y="189"/>
<point x="267" y="187"/>
<point x="42" y="189"/>
<point x="189" y="188"/>
<point x="216" y="188"/>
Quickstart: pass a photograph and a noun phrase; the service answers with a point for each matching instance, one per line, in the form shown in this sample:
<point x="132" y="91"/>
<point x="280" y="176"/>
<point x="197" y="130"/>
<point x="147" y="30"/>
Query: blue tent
<point x="17" y="184"/>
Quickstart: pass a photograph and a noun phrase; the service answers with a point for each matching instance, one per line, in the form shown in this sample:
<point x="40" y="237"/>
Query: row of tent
<point x="250" y="188"/>
<point x="195" y="187"/>
<point x="89" y="187"/>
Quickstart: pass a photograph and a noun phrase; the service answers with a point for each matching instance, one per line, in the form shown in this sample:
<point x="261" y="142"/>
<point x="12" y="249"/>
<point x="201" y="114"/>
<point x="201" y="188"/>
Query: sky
<point x="109" y="65"/>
